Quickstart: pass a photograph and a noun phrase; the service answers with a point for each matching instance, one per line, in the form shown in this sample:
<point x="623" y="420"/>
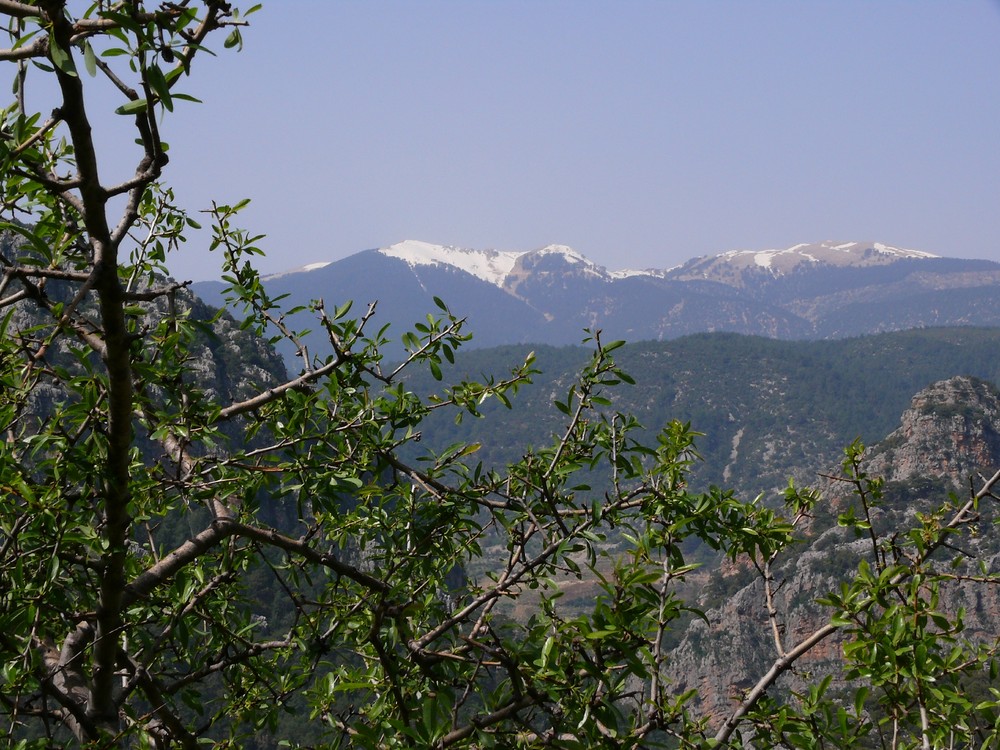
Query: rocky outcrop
<point x="950" y="432"/>
<point x="947" y="438"/>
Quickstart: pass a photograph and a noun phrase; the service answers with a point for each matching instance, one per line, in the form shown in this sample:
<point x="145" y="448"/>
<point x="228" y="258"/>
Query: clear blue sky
<point x="641" y="133"/>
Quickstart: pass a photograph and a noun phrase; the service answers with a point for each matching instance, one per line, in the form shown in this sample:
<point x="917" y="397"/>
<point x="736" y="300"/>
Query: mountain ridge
<point x="550" y="295"/>
<point x="496" y="266"/>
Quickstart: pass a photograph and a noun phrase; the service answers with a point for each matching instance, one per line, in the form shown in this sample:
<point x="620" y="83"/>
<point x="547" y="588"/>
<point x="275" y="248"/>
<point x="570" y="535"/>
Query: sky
<point x="641" y="133"/>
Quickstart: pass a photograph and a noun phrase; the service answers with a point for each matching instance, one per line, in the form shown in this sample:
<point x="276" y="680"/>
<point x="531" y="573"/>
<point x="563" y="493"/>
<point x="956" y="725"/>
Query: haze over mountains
<point x="549" y="295"/>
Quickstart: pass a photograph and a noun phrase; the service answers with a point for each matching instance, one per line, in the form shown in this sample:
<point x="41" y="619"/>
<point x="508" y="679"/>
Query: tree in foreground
<point x="189" y="558"/>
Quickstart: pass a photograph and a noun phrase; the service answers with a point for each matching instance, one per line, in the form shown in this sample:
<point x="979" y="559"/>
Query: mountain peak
<point x="564" y="250"/>
<point x="569" y="256"/>
<point x="301" y="269"/>
<point x="736" y="267"/>
<point x="492" y="266"/>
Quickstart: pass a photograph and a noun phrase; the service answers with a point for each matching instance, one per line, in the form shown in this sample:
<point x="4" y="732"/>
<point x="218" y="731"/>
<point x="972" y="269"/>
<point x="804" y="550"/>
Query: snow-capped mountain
<point x="739" y="267"/>
<point x="549" y="295"/>
<point x="503" y="269"/>
<point x="489" y="265"/>
<point x="735" y="267"/>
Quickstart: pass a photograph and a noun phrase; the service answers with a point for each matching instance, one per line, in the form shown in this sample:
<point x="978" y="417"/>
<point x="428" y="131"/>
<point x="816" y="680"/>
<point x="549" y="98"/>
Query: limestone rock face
<point x="948" y="438"/>
<point x="949" y="432"/>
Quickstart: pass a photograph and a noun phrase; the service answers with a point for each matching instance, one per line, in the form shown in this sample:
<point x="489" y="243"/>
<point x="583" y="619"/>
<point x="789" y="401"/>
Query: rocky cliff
<point x="947" y="441"/>
<point x="949" y="433"/>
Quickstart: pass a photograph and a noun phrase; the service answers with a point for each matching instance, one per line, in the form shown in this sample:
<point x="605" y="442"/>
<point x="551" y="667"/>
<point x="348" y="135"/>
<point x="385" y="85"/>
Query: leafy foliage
<point x="148" y="507"/>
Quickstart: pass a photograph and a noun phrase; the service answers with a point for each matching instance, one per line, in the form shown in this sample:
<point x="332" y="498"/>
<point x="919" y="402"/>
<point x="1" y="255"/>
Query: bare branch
<point x="19" y="10"/>
<point x="780" y="666"/>
<point x="66" y="680"/>
<point x="510" y="709"/>
<point x="147" y="581"/>
<point x="154" y="695"/>
<point x="772" y="611"/>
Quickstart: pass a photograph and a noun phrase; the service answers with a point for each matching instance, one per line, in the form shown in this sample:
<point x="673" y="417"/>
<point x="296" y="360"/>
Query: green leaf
<point x="40" y="245"/>
<point x="859" y="700"/>
<point x="134" y="107"/>
<point x="546" y="651"/>
<point x="159" y="85"/>
<point x="89" y="59"/>
<point x="187" y="98"/>
<point x="61" y="58"/>
<point x="468" y="450"/>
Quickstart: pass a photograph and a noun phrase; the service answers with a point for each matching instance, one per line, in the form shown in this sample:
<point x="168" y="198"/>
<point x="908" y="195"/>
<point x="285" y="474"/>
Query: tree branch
<point x="67" y="682"/>
<point x="19" y="10"/>
<point x="481" y="722"/>
<point x="146" y="582"/>
<point x="780" y="666"/>
<point x="273" y="394"/>
<point x="961" y="517"/>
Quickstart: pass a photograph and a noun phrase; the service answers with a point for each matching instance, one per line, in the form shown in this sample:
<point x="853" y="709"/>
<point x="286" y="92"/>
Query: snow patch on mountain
<point x="506" y="269"/>
<point x="569" y="254"/>
<point x="489" y="265"/>
<point x="738" y="267"/>
<point x="301" y="269"/>
<point x="492" y="266"/>
<point x="901" y="252"/>
<point x="764" y="260"/>
<point x="628" y="273"/>
<point x="571" y="257"/>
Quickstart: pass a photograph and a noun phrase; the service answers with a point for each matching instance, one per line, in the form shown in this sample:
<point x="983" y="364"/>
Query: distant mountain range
<point x="549" y="295"/>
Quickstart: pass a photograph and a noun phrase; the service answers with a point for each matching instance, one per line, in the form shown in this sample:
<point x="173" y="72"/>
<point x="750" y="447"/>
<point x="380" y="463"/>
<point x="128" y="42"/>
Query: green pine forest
<point x="821" y="394"/>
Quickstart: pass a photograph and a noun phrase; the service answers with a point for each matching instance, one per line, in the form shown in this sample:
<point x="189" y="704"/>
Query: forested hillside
<point x="768" y="409"/>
